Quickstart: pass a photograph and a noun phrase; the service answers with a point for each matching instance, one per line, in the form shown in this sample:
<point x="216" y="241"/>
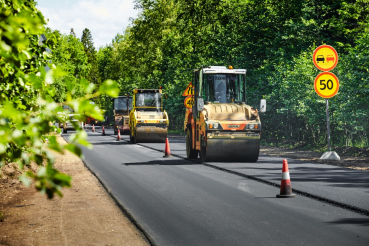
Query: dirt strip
<point x="86" y="215"/>
<point x="353" y="162"/>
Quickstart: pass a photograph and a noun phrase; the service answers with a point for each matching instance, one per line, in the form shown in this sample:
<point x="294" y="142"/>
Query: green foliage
<point x="90" y="52"/>
<point x="29" y="102"/>
<point x="68" y="54"/>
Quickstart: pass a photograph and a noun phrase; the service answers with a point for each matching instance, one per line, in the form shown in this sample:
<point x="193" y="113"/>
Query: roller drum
<point x="151" y="134"/>
<point x="231" y="150"/>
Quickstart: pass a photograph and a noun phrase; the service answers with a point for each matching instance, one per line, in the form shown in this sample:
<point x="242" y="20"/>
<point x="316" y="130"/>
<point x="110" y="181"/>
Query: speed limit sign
<point x="326" y="85"/>
<point x="189" y="102"/>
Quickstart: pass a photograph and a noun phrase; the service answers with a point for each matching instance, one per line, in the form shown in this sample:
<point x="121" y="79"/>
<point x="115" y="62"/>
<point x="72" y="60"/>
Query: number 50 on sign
<point x="326" y="85"/>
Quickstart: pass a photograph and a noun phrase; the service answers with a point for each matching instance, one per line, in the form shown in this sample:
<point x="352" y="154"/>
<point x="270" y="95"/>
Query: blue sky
<point x="104" y="18"/>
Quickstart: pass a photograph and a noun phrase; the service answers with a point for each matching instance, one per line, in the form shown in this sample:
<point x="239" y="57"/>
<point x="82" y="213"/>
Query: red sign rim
<point x="316" y="79"/>
<point x="329" y="47"/>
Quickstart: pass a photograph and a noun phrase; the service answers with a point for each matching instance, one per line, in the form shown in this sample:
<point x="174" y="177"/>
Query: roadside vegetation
<point x="33" y="91"/>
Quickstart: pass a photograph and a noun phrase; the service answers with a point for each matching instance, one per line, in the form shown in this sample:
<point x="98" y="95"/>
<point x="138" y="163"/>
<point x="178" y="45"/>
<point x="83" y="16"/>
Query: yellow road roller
<point x="148" y="121"/>
<point x="220" y="126"/>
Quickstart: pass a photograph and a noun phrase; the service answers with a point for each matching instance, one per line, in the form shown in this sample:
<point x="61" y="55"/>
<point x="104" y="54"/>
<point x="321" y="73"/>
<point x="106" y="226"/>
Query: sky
<point x="104" y="18"/>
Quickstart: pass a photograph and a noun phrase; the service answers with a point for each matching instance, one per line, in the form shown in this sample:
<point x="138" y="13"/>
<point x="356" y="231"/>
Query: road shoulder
<point x="86" y="215"/>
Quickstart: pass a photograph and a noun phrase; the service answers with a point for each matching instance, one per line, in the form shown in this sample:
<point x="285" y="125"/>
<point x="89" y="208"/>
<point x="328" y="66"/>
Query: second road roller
<point x="220" y="126"/>
<point x="148" y="121"/>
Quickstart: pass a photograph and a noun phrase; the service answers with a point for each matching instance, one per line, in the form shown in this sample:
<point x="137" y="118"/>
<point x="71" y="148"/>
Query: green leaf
<point x="25" y="180"/>
<point x="74" y="149"/>
<point x="110" y="88"/>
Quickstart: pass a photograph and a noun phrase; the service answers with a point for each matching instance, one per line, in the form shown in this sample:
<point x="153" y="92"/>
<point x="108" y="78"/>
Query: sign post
<point x="328" y="130"/>
<point x="326" y="85"/>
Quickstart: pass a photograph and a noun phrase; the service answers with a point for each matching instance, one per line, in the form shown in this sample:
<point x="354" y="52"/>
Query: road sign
<point x="325" y="57"/>
<point x="326" y="84"/>
<point x="189" y="101"/>
<point x="189" y="90"/>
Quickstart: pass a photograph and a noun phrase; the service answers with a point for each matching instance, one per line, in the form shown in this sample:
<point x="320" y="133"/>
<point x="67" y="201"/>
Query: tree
<point x="90" y="51"/>
<point x="27" y="105"/>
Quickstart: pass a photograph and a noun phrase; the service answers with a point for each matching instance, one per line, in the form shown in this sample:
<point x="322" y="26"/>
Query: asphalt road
<point x="179" y="202"/>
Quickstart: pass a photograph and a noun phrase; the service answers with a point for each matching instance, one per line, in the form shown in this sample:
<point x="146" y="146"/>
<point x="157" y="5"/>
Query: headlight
<point x="213" y="125"/>
<point x="253" y="127"/>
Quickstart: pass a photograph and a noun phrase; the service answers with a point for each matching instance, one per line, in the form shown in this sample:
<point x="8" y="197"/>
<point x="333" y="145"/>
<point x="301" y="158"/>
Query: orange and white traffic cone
<point x="167" y="149"/>
<point x="118" y="138"/>
<point x="93" y="127"/>
<point x="286" y="189"/>
<point x="103" y="131"/>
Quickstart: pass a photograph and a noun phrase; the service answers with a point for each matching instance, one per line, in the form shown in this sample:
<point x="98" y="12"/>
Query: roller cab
<point x="148" y="121"/>
<point x="122" y="106"/>
<point x="221" y="126"/>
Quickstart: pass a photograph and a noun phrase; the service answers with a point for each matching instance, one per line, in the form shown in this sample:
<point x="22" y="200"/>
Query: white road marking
<point x="244" y="187"/>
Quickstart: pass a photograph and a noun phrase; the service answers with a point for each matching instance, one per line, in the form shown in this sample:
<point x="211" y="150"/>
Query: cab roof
<point x="147" y="90"/>
<point x="221" y="69"/>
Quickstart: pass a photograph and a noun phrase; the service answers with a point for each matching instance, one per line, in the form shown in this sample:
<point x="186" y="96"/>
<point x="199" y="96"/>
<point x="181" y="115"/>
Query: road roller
<point x="122" y="106"/>
<point x="219" y="125"/>
<point x="148" y="121"/>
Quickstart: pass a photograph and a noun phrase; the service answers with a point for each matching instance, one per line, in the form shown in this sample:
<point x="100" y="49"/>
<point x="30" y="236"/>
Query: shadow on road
<point x="111" y="143"/>
<point x="351" y="221"/>
<point x="167" y="162"/>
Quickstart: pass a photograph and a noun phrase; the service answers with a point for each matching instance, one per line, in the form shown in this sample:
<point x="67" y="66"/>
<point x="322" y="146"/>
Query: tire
<point x="203" y="153"/>
<point x="191" y="153"/>
<point x="115" y="132"/>
<point x="65" y="130"/>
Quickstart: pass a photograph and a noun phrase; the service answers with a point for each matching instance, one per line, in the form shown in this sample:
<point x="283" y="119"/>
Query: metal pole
<point x="328" y="130"/>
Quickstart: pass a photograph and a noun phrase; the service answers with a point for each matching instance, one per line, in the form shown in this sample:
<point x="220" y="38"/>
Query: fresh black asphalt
<point x="179" y="202"/>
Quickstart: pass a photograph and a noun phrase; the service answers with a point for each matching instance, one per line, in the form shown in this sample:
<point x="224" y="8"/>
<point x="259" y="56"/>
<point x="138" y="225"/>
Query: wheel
<point x="202" y="152"/>
<point x="115" y="132"/>
<point x="191" y="153"/>
<point x="65" y="130"/>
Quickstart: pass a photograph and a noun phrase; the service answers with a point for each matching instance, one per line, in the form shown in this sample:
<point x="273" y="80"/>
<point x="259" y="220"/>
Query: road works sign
<point x="189" y="90"/>
<point x="189" y="101"/>
<point x="326" y="85"/>
<point x="325" y="57"/>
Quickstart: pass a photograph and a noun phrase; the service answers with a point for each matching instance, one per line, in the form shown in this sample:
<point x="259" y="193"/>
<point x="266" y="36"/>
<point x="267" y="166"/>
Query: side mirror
<point x="200" y="104"/>
<point x="263" y="105"/>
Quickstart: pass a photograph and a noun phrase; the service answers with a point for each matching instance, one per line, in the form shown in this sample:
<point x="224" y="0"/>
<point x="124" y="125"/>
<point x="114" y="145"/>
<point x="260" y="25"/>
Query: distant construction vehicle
<point x="220" y="125"/>
<point x="122" y="106"/>
<point x="148" y="121"/>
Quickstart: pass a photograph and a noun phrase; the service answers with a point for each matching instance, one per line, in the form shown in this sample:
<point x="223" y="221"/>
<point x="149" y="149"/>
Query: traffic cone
<point x="286" y="189"/>
<point x="118" y="138"/>
<point x="103" y="131"/>
<point x="93" y="127"/>
<point x="167" y="149"/>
